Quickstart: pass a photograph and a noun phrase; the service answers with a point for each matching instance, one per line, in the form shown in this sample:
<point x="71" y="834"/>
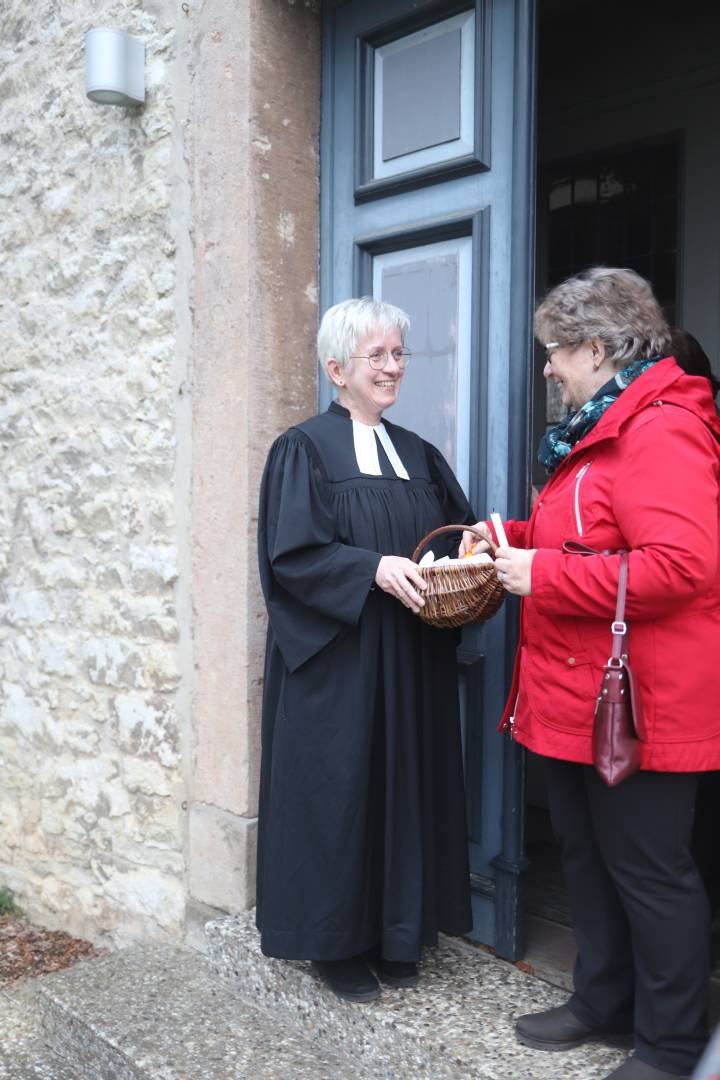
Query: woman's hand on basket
<point x="472" y="541"/>
<point x="402" y="579"/>
<point x="514" y="568"/>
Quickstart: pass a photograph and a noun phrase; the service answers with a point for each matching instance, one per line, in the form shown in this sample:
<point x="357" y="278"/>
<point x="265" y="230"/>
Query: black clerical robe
<point x="362" y="831"/>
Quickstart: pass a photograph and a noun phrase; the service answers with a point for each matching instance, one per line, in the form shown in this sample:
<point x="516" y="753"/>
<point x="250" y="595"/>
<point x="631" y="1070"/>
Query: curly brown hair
<point x="614" y="305"/>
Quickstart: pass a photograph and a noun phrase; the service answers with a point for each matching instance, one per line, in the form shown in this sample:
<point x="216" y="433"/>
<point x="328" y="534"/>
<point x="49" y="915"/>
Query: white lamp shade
<point x="114" y="67"/>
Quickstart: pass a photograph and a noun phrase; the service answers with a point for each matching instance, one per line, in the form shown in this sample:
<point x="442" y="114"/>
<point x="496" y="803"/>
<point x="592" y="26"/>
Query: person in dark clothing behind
<point x="362" y="846"/>
<point x="692" y="358"/>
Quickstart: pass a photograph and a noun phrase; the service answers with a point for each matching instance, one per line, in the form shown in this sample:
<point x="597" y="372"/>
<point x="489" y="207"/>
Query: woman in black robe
<point x="362" y="831"/>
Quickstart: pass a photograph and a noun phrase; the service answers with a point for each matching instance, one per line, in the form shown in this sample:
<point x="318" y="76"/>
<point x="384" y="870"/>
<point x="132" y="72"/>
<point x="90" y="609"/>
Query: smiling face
<point x="365" y="392"/>
<point x="579" y="371"/>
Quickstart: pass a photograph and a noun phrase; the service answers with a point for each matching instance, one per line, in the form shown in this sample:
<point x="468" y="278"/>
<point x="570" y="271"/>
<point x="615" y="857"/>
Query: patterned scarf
<point x="557" y="443"/>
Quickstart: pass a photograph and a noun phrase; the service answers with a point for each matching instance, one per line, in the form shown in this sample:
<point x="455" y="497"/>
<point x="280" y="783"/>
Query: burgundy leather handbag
<point x="615" y="745"/>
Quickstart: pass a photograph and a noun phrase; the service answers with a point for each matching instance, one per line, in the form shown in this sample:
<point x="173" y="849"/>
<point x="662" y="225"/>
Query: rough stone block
<point x="222" y="858"/>
<point x="159" y="1012"/>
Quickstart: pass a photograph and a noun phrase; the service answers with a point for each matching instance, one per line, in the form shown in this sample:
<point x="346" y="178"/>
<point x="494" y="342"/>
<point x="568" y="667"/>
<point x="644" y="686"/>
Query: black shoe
<point x="555" y="1029"/>
<point x="402" y="973"/>
<point x="635" y="1069"/>
<point x="350" y="979"/>
<point x="396" y="972"/>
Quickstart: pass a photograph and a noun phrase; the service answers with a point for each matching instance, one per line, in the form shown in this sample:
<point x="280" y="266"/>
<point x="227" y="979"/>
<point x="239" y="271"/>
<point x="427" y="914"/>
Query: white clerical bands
<point x="366" y="450"/>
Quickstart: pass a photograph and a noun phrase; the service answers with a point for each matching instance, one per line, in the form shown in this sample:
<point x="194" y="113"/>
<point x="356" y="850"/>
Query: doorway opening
<point x="628" y="174"/>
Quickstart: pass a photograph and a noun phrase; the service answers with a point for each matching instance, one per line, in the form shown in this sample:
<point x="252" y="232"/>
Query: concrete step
<point x="458" y="1023"/>
<point x="159" y="1013"/>
<point x="24" y="1053"/>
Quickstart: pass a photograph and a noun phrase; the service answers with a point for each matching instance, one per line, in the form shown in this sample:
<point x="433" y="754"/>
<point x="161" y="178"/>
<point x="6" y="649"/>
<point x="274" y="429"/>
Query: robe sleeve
<point x="665" y="505"/>
<point x="313" y="584"/>
<point x="455" y="507"/>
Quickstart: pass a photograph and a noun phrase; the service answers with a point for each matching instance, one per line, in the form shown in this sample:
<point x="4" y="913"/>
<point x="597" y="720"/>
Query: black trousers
<point x="705" y="845"/>
<point x="639" y="909"/>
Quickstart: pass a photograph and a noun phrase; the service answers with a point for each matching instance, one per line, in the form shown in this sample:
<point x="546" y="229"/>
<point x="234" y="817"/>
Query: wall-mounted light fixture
<point x="114" y="67"/>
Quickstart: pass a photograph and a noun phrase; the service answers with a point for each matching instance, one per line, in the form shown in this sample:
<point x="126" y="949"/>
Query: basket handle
<point x="452" y="528"/>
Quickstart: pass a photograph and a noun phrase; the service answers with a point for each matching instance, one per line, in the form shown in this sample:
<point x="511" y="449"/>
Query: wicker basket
<point x="459" y="594"/>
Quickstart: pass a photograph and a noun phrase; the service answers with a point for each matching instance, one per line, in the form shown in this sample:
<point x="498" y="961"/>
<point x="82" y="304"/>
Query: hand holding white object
<point x="470" y="540"/>
<point x="514" y="568"/>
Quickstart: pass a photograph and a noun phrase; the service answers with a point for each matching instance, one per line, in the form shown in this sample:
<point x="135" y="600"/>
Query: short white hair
<point x="347" y="324"/>
<point x="613" y="304"/>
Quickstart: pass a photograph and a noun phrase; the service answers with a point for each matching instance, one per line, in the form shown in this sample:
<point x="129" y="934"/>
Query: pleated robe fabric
<point x="362" y="828"/>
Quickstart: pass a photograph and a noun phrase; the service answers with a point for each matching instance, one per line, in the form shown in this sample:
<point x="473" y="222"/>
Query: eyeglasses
<point x="380" y="359"/>
<point x="550" y="347"/>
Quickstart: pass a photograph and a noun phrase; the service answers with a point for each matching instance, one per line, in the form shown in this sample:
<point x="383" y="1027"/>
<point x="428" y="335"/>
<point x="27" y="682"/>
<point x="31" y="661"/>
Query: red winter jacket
<point x="646" y="478"/>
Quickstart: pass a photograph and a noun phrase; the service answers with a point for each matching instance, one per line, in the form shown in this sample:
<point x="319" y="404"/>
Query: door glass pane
<point x="432" y="284"/>
<point x="424" y="97"/>
<point x="421" y="96"/>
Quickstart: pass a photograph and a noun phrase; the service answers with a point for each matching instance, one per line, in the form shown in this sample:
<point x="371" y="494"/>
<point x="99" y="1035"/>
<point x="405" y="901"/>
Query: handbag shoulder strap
<point x="619" y="626"/>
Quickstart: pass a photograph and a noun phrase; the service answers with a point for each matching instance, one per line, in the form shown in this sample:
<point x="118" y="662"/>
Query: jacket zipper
<point x="578" y="479"/>
<point x="511" y="718"/>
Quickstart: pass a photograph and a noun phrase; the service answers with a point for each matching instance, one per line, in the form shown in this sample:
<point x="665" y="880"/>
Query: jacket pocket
<point x="562" y="685"/>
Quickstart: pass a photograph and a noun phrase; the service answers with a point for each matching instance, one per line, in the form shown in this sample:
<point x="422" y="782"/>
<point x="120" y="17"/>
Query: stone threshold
<point x="458" y="1023"/>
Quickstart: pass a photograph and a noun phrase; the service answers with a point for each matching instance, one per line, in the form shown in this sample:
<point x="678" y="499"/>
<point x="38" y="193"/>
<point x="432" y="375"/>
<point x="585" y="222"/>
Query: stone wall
<point x="158" y="314"/>
<point x="158" y="320"/>
<point x="94" y="485"/>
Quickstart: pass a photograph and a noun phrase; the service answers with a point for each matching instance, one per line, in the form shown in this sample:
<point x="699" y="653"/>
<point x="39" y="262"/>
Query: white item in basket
<point x="429" y="560"/>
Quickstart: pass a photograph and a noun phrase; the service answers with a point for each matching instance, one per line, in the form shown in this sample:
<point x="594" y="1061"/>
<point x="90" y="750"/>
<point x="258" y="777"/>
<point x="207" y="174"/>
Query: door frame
<point x="510" y="863"/>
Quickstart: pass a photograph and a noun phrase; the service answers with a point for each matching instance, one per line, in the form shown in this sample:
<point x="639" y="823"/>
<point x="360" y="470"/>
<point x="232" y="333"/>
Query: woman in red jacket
<point x="635" y="466"/>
